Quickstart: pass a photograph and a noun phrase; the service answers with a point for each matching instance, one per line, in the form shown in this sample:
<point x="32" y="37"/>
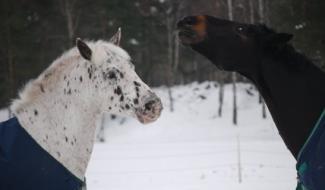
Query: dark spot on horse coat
<point x="69" y="91"/>
<point x="29" y="118"/>
<point x="137" y="89"/>
<point x="112" y="98"/>
<point x="118" y="90"/>
<point x="122" y="75"/>
<point x="35" y="112"/>
<point x="112" y="75"/>
<point x="127" y="106"/>
<point x="80" y="78"/>
<point x="136" y="101"/>
<point x="66" y="139"/>
<point x="42" y="88"/>
<point x="48" y="74"/>
<point x="90" y="72"/>
<point x="136" y="83"/>
<point x="122" y="98"/>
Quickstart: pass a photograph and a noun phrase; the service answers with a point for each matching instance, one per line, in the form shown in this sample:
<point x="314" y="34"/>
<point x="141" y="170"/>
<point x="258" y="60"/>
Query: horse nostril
<point x="149" y="105"/>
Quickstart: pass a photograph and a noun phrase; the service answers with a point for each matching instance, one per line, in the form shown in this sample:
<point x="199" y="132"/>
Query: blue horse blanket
<point x="24" y="165"/>
<point x="311" y="159"/>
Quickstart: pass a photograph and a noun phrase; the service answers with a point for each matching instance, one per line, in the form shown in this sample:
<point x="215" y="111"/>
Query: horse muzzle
<point x="150" y="111"/>
<point x="192" y="29"/>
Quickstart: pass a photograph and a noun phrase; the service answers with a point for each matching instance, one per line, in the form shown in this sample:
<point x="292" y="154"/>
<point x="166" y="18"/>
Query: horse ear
<point x="280" y="38"/>
<point x="84" y="49"/>
<point x="116" y="39"/>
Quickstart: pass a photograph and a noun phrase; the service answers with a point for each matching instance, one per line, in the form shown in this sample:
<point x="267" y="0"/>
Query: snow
<point x="134" y="41"/>
<point x="193" y="148"/>
<point x="4" y="114"/>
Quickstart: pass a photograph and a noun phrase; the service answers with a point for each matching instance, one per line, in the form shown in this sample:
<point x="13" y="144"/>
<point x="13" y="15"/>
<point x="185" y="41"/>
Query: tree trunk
<point x="68" y="9"/>
<point x="11" y="66"/>
<point x="176" y="53"/>
<point x="233" y="75"/>
<point x="169" y="74"/>
<point x="251" y="12"/>
<point x="230" y="10"/>
<point x="262" y="20"/>
<point x="261" y="10"/>
<point x="221" y="93"/>
<point x="234" y="87"/>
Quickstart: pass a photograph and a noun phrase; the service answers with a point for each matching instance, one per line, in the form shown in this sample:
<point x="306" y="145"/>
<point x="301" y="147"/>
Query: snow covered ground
<point x="192" y="148"/>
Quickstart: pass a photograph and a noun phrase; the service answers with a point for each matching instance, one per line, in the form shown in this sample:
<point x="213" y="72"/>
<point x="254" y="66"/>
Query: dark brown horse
<point x="292" y="86"/>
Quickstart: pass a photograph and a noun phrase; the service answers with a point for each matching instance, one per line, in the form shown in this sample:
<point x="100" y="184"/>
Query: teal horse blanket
<point x="311" y="159"/>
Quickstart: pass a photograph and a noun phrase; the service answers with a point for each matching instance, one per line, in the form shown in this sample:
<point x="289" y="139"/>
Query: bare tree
<point x="251" y="11"/>
<point x="233" y="75"/>
<point x="71" y="15"/>
<point x="261" y="10"/>
<point x="171" y="10"/>
<point x="262" y="20"/>
<point x="10" y="52"/>
<point x="221" y="94"/>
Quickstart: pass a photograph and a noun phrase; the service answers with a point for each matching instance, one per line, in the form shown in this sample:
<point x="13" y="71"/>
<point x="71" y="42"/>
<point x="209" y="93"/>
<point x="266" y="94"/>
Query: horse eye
<point x="240" y="29"/>
<point x="190" y="20"/>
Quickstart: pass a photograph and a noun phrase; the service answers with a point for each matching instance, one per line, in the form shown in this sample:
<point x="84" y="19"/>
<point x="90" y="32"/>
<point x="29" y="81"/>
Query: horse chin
<point x="144" y="119"/>
<point x="148" y="116"/>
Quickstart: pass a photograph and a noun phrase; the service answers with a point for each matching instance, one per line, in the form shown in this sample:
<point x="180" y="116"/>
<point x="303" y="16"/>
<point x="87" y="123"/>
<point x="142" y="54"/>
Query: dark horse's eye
<point x="189" y="20"/>
<point x="240" y="29"/>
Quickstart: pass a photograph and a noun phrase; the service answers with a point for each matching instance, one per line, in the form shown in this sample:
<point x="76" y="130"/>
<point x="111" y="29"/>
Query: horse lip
<point x="146" y="117"/>
<point x="187" y="36"/>
<point x="186" y="31"/>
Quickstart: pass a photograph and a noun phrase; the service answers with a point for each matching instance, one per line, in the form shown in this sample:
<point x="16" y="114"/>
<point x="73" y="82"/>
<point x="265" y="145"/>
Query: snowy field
<point x="192" y="148"/>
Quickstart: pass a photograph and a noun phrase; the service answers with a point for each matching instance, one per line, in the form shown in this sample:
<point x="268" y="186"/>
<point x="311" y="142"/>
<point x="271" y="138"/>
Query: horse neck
<point x="59" y="120"/>
<point x="295" y="98"/>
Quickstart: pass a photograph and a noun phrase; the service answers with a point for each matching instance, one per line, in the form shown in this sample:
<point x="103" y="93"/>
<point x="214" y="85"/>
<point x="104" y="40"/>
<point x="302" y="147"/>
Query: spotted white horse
<point x="59" y="109"/>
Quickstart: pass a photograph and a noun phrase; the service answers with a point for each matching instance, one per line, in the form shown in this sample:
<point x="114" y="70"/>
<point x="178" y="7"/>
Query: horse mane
<point x="283" y="53"/>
